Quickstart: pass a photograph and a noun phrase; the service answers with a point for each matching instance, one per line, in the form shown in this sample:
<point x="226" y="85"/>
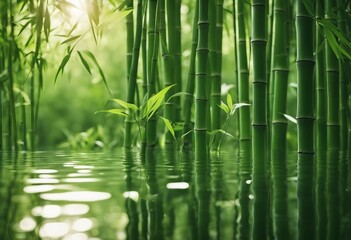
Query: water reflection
<point x="169" y="195"/>
<point x="131" y="196"/>
<point x="245" y="169"/>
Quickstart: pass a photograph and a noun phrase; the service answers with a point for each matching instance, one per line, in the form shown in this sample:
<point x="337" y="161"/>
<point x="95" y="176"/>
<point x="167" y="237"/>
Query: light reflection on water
<point x="124" y="196"/>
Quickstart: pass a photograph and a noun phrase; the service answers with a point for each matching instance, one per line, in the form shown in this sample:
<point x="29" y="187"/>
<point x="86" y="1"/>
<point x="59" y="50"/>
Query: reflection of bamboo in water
<point x="8" y="208"/>
<point x="154" y="201"/>
<point x="130" y="204"/>
<point x="203" y="194"/>
<point x="333" y="216"/>
<point x="170" y="159"/>
<point x="217" y="189"/>
<point x="321" y="217"/>
<point x="244" y="189"/>
<point x="187" y="168"/>
<point x="280" y="195"/>
<point x="342" y="170"/>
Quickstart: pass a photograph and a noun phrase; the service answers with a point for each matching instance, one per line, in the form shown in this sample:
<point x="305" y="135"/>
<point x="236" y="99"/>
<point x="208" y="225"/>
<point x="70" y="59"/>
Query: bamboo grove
<point x="282" y="49"/>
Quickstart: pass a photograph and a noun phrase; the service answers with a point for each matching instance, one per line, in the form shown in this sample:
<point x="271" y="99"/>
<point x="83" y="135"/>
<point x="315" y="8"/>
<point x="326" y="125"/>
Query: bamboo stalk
<point x="321" y="127"/>
<point x="305" y="119"/>
<point x="259" y="123"/>
<point x="332" y="66"/>
<point x="243" y="72"/>
<point x="152" y="52"/>
<point x="279" y="123"/>
<point x="133" y="74"/>
<point x="200" y="128"/>
<point x="189" y="97"/>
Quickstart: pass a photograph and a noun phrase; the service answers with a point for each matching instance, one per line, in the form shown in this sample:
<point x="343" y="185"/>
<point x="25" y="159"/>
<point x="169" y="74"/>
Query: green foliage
<point x="142" y="114"/>
<point x="229" y="108"/>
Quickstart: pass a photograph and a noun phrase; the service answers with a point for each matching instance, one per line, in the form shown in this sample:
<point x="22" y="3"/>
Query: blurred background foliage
<point x="67" y="104"/>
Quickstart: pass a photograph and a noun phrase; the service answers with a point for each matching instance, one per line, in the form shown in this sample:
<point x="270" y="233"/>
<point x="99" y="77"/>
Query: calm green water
<point x="165" y="195"/>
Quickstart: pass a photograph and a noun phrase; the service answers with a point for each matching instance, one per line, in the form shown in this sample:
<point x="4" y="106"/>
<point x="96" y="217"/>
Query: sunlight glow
<point x="134" y="195"/>
<point x="44" y="171"/>
<point x="178" y="185"/>
<point x="38" y="188"/>
<point x="80" y="180"/>
<point x="47" y="211"/>
<point x="27" y="224"/>
<point x="53" y="230"/>
<point x="42" y="180"/>
<point x="82" y="225"/>
<point x="75" y="209"/>
<point x="78" y="196"/>
<point x="76" y="236"/>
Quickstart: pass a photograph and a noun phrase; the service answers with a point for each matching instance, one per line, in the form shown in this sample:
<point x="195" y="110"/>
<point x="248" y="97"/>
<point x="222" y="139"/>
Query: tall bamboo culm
<point x="280" y="74"/>
<point x="131" y="89"/>
<point x="343" y="85"/>
<point x="190" y="85"/>
<point x="152" y="52"/>
<point x="332" y="66"/>
<point x="201" y="101"/>
<point x="305" y="118"/>
<point x="216" y="75"/>
<point x="321" y="130"/>
<point x="259" y="120"/>
<point x="243" y="72"/>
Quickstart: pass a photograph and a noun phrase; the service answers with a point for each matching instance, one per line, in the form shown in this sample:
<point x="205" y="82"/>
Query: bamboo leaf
<point x="154" y="103"/>
<point x="71" y="39"/>
<point x="229" y="102"/>
<point x="84" y="62"/>
<point x="92" y="57"/>
<point x="47" y="24"/>
<point x="237" y="106"/>
<point x="115" y="111"/>
<point x="126" y="105"/>
<point x="224" y="107"/>
<point x="93" y="11"/>
<point x="169" y="126"/>
<point x="332" y="42"/>
<point x="178" y="94"/>
<point x="309" y="7"/>
<point x="62" y="65"/>
<point x="221" y="131"/>
<point x="290" y="118"/>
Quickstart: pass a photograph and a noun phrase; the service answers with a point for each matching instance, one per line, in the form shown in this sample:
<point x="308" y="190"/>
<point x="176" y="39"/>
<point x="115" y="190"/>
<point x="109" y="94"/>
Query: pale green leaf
<point x="224" y="107"/>
<point x="84" y="62"/>
<point x="237" y="106"/>
<point x="169" y="126"/>
<point x="92" y="57"/>
<point x="115" y="111"/>
<point x="229" y="102"/>
<point x="62" y="65"/>
<point x="290" y="118"/>
<point x="126" y="105"/>
<point x="71" y="39"/>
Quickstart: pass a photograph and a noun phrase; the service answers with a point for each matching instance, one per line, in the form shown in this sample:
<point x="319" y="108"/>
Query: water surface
<point x="166" y="195"/>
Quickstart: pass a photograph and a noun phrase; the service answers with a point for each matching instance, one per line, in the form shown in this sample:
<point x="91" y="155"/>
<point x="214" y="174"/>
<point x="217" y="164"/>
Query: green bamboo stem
<point x="177" y="58"/>
<point x="168" y="63"/>
<point x="332" y="66"/>
<point x="305" y="119"/>
<point x="342" y="81"/>
<point x="279" y="123"/>
<point x="243" y="72"/>
<point x="189" y="97"/>
<point x="130" y="36"/>
<point x="216" y="75"/>
<point x="144" y="51"/>
<point x="259" y="123"/>
<point x="321" y="127"/>
<point x="152" y="53"/>
<point x="200" y="128"/>
<point x="129" y="121"/>
<point x="12" y="122"/>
